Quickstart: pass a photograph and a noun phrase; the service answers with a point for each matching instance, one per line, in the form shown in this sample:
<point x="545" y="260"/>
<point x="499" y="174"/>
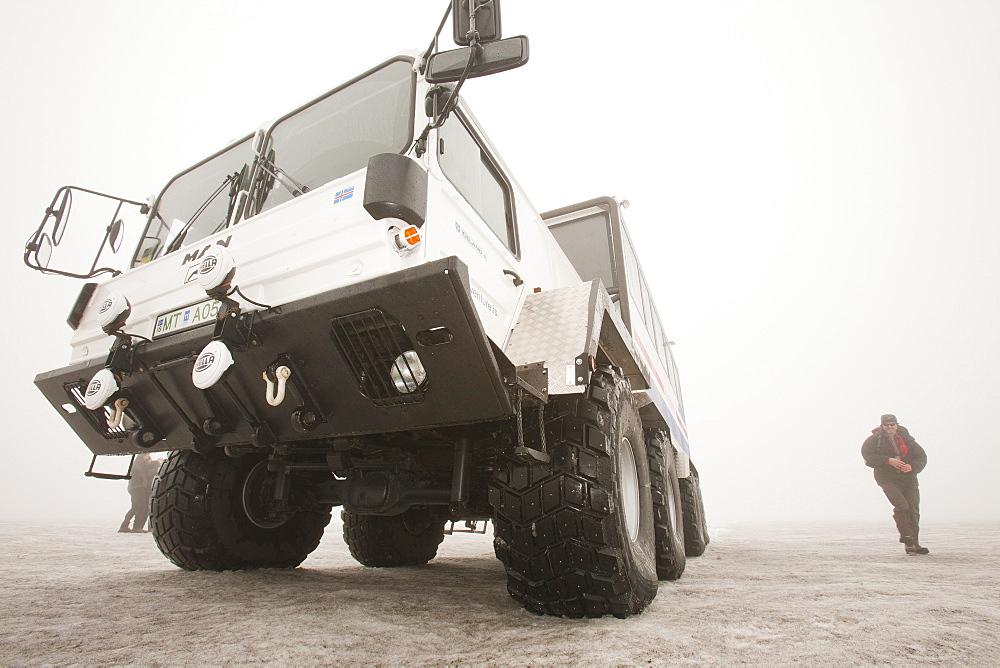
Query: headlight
<point x="407" y="372"/>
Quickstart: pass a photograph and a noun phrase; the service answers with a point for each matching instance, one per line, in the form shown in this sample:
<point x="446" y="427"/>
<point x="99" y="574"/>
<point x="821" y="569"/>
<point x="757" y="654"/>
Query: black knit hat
<point x="889" y="417"/>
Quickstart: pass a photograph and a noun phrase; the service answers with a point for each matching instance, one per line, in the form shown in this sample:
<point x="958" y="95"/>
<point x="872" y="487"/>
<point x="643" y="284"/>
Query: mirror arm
<point x="434" y="41"/>
<point x="33" y="244"/>
<point x="440" y="116"/>
<point x="56" y="272"/>
<point x="473" y="34"/>
<point x="104" y="242"/>
<point x="475" y="49"/>
<point x="143" y="206"/>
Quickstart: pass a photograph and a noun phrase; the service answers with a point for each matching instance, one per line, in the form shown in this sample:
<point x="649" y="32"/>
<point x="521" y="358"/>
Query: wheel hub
<point x="629" y="488"/>
<point x="258" y="498"/>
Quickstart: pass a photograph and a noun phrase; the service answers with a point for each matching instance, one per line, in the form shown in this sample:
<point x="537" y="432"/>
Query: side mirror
<point x="115" y="235"/>
<point x="492" y="57"/>
<point x="43" y="251"/>
<point x="487" y="20"/>
<point x="102" y="226"/>
<point x="60" y="211"/>
<point x="437" y="97"/>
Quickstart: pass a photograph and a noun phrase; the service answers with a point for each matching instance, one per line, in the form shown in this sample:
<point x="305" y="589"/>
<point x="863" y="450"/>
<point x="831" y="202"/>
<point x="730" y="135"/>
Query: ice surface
<point x="794" y="593"/>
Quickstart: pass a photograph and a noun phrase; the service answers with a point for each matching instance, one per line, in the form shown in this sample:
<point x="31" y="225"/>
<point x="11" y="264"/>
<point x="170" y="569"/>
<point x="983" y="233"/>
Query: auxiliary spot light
<point x="216" y="271"/>
<point x="113" y="313"/>
<point x="100" y="389"/>
<point x="213" y="362"/>
<point x="407" y="372"/>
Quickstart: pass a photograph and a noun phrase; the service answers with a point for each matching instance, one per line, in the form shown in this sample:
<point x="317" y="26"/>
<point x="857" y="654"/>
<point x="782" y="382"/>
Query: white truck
<point x="356" y="305"/>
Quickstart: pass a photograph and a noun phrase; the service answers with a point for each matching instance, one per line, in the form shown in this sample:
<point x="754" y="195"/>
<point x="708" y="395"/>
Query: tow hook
<point x="120" y="405"/>
<point x="275" y="393"/>
<point x="284" y="375"/>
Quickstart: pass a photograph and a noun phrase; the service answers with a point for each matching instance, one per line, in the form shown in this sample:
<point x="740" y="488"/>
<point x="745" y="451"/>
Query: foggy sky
<point x="812" y="187"/>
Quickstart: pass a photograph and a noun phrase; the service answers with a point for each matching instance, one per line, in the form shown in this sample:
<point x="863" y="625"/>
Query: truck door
<point x="476" y="221"/>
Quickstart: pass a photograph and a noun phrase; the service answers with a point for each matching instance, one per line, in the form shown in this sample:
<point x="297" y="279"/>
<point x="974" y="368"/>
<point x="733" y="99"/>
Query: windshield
<point x="322" y="141"/>
<point x="198" y="202"/>
<point x="336" y="134"/>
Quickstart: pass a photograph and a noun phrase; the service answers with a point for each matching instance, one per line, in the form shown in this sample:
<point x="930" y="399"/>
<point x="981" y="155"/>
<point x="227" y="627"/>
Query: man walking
<point x="897" y="459"/>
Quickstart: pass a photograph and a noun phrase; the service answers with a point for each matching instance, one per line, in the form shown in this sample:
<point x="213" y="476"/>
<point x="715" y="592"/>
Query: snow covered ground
<point x="768" y="593"/>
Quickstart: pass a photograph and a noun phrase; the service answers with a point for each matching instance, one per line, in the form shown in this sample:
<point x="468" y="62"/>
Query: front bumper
<point x="337" y="344"/>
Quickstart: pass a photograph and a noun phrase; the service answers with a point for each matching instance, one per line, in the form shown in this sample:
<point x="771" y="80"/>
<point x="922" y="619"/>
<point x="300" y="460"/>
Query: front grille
<point x="99" y="418"/>
<point x="370" y="342"/>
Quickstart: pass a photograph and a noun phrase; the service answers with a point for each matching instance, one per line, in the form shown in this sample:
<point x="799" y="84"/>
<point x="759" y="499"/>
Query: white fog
<point x="813" y="197"/>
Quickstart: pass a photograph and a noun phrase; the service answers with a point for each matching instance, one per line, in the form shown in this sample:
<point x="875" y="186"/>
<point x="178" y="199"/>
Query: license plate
<point x="186" y="317"/>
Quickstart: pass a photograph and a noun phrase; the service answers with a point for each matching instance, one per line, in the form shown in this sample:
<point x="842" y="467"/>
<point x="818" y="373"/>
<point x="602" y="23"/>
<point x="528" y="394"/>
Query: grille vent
<point x="370" y="341"/>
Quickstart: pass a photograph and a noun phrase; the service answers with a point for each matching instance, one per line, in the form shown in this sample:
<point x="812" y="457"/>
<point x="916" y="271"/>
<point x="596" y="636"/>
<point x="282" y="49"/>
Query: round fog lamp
<point x="216" y="271"/>
<point x="113" y="312"/>
<point x="101" y="388"/>
<point x="407" y="372"/>
<point x="214" y="360"/>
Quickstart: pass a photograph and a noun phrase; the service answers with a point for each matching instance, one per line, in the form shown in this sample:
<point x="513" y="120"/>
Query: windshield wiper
<point x="282" y="177"/>
<point x="232" y="181"/>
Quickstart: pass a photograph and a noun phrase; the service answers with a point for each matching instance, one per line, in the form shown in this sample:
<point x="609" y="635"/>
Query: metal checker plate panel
<point x="552" y="328"/>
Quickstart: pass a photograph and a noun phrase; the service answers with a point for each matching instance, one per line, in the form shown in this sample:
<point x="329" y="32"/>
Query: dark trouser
<point x="139" y="510"/>
<point x="905" y="510"/>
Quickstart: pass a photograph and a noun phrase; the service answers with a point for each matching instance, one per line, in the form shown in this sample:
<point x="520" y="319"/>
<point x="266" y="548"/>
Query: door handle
<point x="513" y="274"/>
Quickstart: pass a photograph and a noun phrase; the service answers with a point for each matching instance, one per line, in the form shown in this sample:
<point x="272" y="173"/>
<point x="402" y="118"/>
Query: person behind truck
<point x="140" y="487"/>
<point x="897" y="459"/>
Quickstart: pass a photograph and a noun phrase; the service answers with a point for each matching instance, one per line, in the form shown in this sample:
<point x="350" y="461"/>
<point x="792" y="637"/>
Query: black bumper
<point x="339" y="345"/>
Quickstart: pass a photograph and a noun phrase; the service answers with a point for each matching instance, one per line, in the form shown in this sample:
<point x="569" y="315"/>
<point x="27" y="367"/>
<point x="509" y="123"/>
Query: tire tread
<point x="198" y="523"/>
<point x="555" y="522"/>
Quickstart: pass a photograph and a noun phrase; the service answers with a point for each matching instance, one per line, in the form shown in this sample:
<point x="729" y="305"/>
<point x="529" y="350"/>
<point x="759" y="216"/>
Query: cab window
<point x="473" y="173"/>
<point x="587" y="243"/>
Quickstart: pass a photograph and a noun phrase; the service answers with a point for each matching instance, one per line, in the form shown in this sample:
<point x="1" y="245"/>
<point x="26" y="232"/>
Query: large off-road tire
<point x="667" y="509"/>
<point x="695" y="526"/>
<point x="409" y="539"/>
<point x="206" y="513"/>
<point x="575" y="534"/>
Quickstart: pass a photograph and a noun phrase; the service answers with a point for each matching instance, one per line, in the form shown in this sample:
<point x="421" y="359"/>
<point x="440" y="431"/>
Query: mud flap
<point x="565" y="328"/>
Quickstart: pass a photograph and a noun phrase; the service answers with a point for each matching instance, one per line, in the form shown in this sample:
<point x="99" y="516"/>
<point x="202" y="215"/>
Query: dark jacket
<point x="877" y="449"/>
<point x="142" y="475"/>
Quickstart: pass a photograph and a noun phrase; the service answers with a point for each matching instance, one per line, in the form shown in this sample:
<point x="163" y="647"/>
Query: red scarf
<point x="899" y="447"/>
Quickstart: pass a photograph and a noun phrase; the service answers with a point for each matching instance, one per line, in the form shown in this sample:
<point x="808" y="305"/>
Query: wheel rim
<point x="416" y="522"/>
<point x="673" y="511"/>
<point x="629" y="488"/>
<point x="258" y="490"/>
